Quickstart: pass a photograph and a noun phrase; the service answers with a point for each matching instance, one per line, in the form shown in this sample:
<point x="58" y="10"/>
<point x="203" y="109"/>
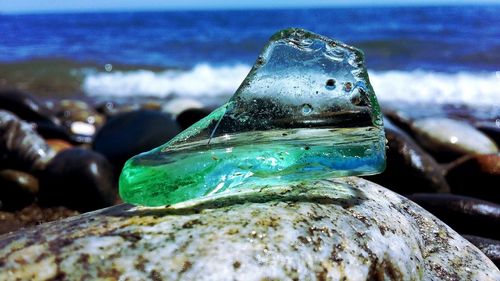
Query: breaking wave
<point x="206" y="81"/>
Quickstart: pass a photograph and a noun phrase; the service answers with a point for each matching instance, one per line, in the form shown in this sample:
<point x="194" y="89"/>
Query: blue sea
<point x="437" y="54"/>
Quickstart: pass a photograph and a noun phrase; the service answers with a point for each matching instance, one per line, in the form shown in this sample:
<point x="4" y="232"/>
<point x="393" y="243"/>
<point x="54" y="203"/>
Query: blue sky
<point x="30" y="6"/>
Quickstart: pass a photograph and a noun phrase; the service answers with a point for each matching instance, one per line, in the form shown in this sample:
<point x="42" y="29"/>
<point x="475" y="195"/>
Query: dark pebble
<point x="129" y="134"/>
<point x="21" y="148"/>
<point x="26" y="107"/>
<point x="17" y="189"/>
<point x="79" y="179"/>
<point x="409" y="168"/>
<point x="477" y="176"/>
<point x="490" y="247"/>
<point x="491" y="129"/>
<point x="464" y="214"/>
<point x="52" y="131"/>
<point x="190" y="116"/>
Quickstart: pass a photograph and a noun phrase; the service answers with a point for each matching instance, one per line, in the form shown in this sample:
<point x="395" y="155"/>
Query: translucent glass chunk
<point x="305" y="111"/>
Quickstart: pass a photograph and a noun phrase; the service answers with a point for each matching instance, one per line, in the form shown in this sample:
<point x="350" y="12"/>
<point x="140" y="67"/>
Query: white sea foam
<point x="205" y="81"/>
<point x="201" y="81"/>
<point x="435" y="87"/>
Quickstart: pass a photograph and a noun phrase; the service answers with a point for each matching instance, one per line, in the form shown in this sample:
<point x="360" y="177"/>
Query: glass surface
<point x="306" y="110"/>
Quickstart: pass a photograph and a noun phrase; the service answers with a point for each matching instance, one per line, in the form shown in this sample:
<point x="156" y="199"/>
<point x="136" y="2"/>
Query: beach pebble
<point x="52" y="131"/>
<point x="409" y="168"/>
<point x="477" y="176"/>
<point x="490" y="247"/>
<point x="17" y="189"/>
<point x="442" y="135"/>
<point x="491" y="129"/>
<point x="26" y="107"/>
<point x="78" y="178"/>
<point x="340" y="229"/>
<point x="59" y="145"/>
<point x="190" y="116"/>
<point x="466" y="215"/>
<point x="131" y="133"/>
<point x="81" y="120"/>
<point x="399" y="118"/>
<point x="20" y="146"/>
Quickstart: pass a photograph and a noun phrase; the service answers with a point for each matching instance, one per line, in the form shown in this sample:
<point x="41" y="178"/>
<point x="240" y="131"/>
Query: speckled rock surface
<point x="340" y="229"/>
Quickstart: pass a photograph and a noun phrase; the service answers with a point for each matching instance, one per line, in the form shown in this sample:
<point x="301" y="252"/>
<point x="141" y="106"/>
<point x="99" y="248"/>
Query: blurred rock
<point x="30" y="216"/>
<point x="80" y="119"/>
<point x="110" y="109"/>
<point x="26" y="107"/>
<point x="190" y="116"/>
<point x="20" y="146"/>
<point x="449" y="138"/>
<point x="79" y="179"/>
<point x="332" y="229"/>
<point x="491" y="129"/>
<point x="128" y="134"/>
<point x="59" y="145"/>
<point x="399" y="118"/>
<point x="52" y="131"/>
<point x="107" y="109"/>
<point x="151" y="105"/>
<point x="490" y="247"/>
<point x="464" y="214"/>
<point x="17" y="189"/>
<point x="409" y="168"/>
<point x="477" y="176"/>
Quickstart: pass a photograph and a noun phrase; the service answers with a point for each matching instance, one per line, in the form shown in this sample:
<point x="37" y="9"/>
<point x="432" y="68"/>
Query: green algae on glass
<point x="305" y="111"/>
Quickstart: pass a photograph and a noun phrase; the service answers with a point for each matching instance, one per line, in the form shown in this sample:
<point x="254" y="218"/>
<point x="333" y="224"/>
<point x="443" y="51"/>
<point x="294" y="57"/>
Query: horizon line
<point x="248" y="8"/>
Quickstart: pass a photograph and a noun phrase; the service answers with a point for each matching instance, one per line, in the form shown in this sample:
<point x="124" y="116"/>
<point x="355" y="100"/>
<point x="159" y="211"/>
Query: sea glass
<point x="305" y="111"/>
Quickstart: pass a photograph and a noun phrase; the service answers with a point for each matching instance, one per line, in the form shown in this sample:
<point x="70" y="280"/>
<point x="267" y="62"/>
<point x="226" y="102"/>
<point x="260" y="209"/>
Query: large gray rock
<point x="340" y="229"/>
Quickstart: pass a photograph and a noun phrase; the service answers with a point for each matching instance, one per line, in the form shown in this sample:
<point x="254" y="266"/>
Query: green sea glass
<point x="305" y="111"/>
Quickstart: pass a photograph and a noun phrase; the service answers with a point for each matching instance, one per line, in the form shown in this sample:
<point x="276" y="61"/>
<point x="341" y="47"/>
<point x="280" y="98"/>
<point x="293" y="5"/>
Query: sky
<point x="37" y="6"/>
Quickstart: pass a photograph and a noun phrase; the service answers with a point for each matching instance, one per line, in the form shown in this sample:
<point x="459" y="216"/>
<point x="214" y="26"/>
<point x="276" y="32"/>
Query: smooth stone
<point x="30" y="216"/>
<point x="52" y="131"/>
<point x="490" y="247"/>
<point x="59" y="145"/>
<point x="17" y="189"/>
<point x="78" y="178"/>
<point x="409" y="168"/>
<point x="476" y="175"/>
<point x="339" y="229"/>
<point x="398" y="117"/>
<point x="491" y="129"/>
<point x="21" y="148"/>
<point x="466" y="215"/>
<point x="26" y="107"/>
<point x="80" y="119"/>
<point x="190" y="116"/>
<point x="128" y="134"/>
<point x="442" y="135"/>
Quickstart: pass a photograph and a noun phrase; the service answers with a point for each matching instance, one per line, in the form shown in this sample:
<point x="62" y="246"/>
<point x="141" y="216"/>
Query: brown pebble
<point x="58" y="145"/>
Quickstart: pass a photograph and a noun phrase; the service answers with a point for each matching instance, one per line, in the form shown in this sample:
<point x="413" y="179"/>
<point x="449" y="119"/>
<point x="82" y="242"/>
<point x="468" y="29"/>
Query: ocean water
<point x="431" y="54"/>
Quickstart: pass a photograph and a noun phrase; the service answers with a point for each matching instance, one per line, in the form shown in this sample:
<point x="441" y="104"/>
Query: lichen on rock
<point x="332" y="229"/>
